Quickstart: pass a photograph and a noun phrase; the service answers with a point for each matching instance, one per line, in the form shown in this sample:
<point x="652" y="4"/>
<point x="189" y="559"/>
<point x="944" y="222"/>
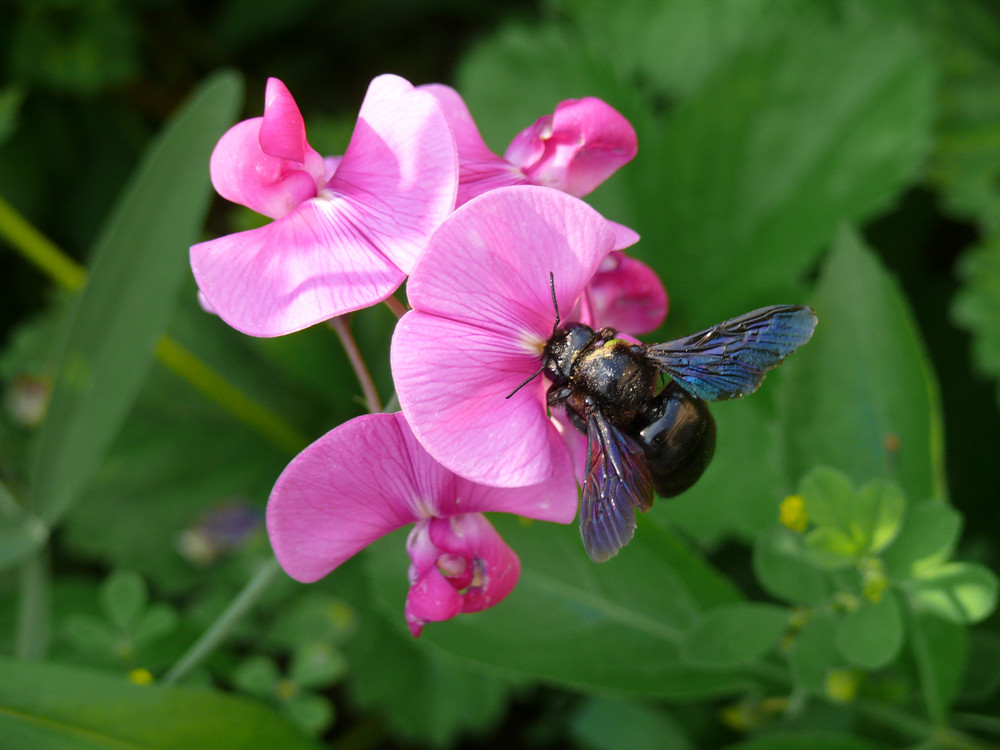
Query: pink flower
<point x="346" y="231"/>
<point x="482" y="312"/>
<point x="574" y="149"/>
<point x="369" y="477"/>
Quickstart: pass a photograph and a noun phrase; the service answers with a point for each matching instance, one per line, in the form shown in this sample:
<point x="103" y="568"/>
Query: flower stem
<point x="38" y="249"/>
<point x="396" y="306"/>
<point x="219" y="630"/>
<point x="342" y="326"/>
<point x="33" y="625"/>
<point x="68" y="274"/>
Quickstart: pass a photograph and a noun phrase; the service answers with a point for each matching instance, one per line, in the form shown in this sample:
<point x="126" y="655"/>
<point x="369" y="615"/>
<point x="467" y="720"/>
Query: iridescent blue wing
<point x="617" y="483"/>
<point x="730" y="359"/>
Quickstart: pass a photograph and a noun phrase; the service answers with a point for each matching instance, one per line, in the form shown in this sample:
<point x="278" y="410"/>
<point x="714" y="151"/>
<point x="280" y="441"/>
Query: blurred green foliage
<point x="829" y="583"/>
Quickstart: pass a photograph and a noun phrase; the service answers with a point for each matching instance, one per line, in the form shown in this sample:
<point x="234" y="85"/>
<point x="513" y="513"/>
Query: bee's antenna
<point x="552" y="286"/>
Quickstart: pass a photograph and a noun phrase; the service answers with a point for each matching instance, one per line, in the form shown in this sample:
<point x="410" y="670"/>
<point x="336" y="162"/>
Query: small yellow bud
<point x="842" y="685"/>
<point x="793" y="513"/>
<point x="141" y="676"/>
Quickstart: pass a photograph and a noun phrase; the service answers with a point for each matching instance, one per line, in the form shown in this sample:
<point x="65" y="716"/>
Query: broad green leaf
<point x="257" y="676"/>
<point x="734" y="635"/>
<point x="861" y="396"/>
<point x="742" y="487"/>
<point x="940" y="649"/>
<point x="423" y="697"/>
<point x="53" y="707"/>
<point x="316" y="665"/>
<point x="606" y="724"/>
<point x="745" y="182"/>
<point x="872" y="636"/>
<point x="138" y="265"/>
<point x="11" y="97"/>
<point x="783" y="567"/>
<point x="813" y="654"/>
<point x="618" y="626"/>
<point x="124" y="597"/>
<point x="929" y="534"/>
<point x="809" y="740"/>
<point x="960" y="592"/>
<point x="312" y="712"/>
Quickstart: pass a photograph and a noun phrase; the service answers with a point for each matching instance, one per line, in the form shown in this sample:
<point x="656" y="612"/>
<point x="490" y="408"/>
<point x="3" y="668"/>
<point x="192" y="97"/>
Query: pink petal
<point x="283" y="132"/>
<point x="489" y="265"/>
<point x="452" y="380"/>
<point x="492" y="565"/>
<point x="265" y="163"/>
<point x="576" y="148"/>
<point x="624" y="237"/>
<point x="431" y="599"/>
<point x="479" y="169"/>
<point x="401" y="167"/>
<point x="628" y="295"/>
<point x="307" y="267"/>
<point x="370" y="476"/>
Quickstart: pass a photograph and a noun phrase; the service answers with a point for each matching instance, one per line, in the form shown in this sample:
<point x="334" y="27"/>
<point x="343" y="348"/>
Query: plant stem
<point x="33" y="629"/>
<point x="396" y="306"/>
<point x="68" y="274"/>
<point x="342" y="326"/>
<point x="231" y="615"/>
<point x="38" y="249"/>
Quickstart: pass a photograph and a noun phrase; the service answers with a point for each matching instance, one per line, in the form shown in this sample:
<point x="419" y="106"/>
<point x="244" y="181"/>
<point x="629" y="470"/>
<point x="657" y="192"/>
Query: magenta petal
<point x="431" y="599"/>
<point x="624" y="237"/>
<point x="492" y="566"/>
<point x="307" y="267"/>
<point x="452" y="380"/>
<point x="283" y="132"/>
<point x="370" y="476"/>
<point x="575" y="149"/>
<point x="400" y="169"/>
<point x="489" y="264"/>
<point x="628" y="295"/>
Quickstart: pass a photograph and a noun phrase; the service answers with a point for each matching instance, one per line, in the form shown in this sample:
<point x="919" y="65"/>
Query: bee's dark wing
<point x="617" y="483"/>
<point x="730" y="359"/>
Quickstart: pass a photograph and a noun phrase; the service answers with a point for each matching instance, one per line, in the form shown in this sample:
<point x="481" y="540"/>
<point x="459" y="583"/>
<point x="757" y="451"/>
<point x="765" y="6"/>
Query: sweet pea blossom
<point x="346" y="230"/>
<point x="369" y="477"/>
<point x="574" y="150"/>
<point x="482" y="312"/>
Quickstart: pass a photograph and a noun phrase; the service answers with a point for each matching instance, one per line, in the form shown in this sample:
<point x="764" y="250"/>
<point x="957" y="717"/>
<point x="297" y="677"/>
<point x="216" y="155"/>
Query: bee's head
<point x="565" y="344"/>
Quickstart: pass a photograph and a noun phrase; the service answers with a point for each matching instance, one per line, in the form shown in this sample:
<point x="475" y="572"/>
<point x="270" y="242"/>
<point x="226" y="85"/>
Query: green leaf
<point x="831" y="548"/>
<point x="813" y="654"/>
<point x="982" y="676"/>
<point x="606" y="724"/>
<point x="747" y="180"/>
<point x="313" y="713"/>
<point x="960" y="592"/>
<point x="809" y="740"/>
<point x="734" y="635"/>
<point x="784" y="568"/>
<point x="316" y="665"/>
<point x="257" y="676"/>
<point x="124" y="597"/>
<point x="929" y="534"/>
<point x="872" y="636"/>
<point x="638" y="607"/>
<point x="54" y="707"/>
<point x="156" y="622"/>
<point x="828" y="496"/>
<point x="138" y="265"/>
<point x="861" y="396"/>
<point x="878" y="514"/>
<point x="11" y="98"/>
<point x="940" y="649"/>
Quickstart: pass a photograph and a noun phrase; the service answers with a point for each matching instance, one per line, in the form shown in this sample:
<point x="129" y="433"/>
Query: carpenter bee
<point x="641" y="437"/>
